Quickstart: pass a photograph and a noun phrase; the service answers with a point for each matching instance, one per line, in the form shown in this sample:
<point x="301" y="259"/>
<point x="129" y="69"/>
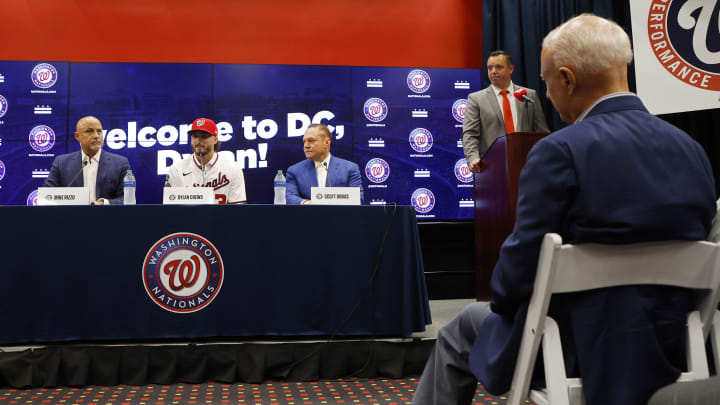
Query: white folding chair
<point x="568" y="268"/>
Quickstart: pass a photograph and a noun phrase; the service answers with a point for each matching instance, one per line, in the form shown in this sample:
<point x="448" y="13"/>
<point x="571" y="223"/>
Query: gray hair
<point x="589" y="43"/>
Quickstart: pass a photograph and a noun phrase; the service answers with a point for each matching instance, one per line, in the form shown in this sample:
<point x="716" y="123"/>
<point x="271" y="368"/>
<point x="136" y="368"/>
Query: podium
<point x="496" y="194"/>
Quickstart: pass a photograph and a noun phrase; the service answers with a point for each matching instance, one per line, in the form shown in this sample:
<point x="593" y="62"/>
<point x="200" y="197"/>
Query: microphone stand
<point x="82" y="167"/>
<point x="327" y="174"/>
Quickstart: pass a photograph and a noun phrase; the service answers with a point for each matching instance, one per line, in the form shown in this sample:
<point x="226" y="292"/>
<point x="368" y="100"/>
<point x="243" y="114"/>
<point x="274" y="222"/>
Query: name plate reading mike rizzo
<point x="188" y="195"/>
<point x="63" y="196"/>
<point x="335" y="195"/>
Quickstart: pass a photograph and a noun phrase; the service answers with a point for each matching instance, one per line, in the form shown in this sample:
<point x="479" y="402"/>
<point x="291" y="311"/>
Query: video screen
<point x="402" y="126"/>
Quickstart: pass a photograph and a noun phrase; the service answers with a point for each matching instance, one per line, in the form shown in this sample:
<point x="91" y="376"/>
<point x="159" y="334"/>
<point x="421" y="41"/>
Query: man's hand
<point x="305" y="202"/>
<point x="99" y="201"/>
<point x="477" y="165"/>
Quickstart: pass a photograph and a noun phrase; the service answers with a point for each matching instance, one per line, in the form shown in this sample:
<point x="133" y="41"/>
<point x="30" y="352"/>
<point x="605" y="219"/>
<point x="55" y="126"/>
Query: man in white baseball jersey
<point x="205" y="168"/>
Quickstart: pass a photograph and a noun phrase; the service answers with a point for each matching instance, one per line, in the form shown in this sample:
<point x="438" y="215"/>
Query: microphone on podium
<point x="84" y="163"/>
<point x="522" y="96"/>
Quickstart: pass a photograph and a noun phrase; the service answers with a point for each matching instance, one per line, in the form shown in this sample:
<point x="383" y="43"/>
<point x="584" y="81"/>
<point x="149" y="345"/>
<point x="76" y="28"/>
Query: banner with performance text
<point x="677" y="54"/>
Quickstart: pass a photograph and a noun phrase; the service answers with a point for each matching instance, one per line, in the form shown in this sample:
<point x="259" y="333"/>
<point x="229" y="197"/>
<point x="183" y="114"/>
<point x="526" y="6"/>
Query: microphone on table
<point x="522" y="96"/>
<point x="84" y="163"/>
<point x="327" y="176"/>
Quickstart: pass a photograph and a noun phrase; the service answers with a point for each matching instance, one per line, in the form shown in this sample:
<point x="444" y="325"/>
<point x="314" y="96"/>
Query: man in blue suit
<point x="102" y="172"/>
<point x="320" y="168"/>
<point x="616" y="175"/>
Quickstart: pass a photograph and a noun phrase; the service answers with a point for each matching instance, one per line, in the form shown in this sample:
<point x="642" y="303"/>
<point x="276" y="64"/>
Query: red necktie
<point x="507" y="113"/>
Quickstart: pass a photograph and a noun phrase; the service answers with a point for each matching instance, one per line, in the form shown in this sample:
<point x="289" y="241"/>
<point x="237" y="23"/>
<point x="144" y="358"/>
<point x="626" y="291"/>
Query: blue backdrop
<point x="400" y="125"/>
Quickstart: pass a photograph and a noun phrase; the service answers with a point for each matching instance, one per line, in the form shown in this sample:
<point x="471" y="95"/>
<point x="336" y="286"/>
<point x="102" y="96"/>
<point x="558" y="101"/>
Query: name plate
<point x="63" y="196"/>
<point x="335" y="195"/>
<point x="188" y="195"/>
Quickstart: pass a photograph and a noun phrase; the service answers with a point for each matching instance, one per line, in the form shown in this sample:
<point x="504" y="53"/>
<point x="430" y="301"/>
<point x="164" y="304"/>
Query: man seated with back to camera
<point x="618" y="175"/>
<point x="205" y="168"/>
<point x="101" y="171"/>
<point x="320" y="168"/>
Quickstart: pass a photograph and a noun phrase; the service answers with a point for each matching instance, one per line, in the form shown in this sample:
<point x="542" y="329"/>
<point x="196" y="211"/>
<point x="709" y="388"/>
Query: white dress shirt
<point x="321" y="170"/>
<point x="90" y="172"/>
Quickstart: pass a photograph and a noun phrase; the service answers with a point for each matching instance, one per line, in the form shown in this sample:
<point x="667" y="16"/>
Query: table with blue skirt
<point x="145" y="272"/>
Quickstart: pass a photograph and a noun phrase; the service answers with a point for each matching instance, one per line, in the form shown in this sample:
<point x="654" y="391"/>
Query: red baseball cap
<point x="205" y="125"/>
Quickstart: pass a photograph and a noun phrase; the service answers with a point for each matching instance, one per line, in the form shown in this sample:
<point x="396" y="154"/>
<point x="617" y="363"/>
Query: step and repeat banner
<point x="402" y="126"/>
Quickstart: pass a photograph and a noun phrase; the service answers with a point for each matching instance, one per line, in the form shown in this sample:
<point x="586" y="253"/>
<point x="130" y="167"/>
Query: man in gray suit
<point x="494" y="111"/>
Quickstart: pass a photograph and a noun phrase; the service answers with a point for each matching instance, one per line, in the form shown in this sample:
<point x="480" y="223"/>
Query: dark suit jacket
<point x="620" y="175"/>
<point x="109" y="183"/>
<point x="484" y="121"/>
<point x="301" y="177"/>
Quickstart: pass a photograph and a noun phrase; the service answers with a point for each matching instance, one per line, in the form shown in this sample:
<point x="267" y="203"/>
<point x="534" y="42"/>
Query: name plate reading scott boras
<point x="335" y="195"/>
<point x="188" y="195"/>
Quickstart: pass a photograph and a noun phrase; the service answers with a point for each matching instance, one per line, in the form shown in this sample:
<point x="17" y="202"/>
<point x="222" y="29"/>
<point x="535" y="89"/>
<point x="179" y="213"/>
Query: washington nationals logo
<point x="32" y="198"/>
<point x="423" y="200"/>
<point x="458" y="109"/>
<point x="375" y="109"/>
<point x="462" y="171"/>
<point x="42" y="138"/>
<point x="3" y="106"/>
<point x="421" y="140"/>
<point x="2" y="169"/>
<point x="183" y="272"/>
<point x="377" y="170"/>
<point x="680" y="33"/>
<point x="418" y="81"/>
<point x="44" y="75"/>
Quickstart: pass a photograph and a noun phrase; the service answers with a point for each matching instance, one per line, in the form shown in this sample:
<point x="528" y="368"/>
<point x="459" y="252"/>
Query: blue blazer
<point x="620" y="175"/>
<point x="109" y="183"/>
<point x="301" y="177"/>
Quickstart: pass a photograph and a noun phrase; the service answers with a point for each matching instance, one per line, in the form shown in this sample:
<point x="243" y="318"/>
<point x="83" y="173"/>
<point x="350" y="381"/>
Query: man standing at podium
<point x="615" y="175"/>
<point x="320" y="168"/>
<point x="91" y="167"/>
<point x="494" y="111"/>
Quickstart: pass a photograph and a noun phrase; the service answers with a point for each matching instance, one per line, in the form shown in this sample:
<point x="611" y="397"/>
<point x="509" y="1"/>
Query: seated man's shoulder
<point x="115" y="157"/>
<point x="232" y="164"/>
<point x="299" y="165"/>
<point x="64" y="157"/>
<point x="345" y="161"/>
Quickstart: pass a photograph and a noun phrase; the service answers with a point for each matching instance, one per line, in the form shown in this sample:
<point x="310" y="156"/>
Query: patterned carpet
<point x="350" y="392"/>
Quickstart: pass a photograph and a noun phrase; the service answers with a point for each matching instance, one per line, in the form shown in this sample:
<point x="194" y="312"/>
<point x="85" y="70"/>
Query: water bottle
<point x="129" y="188"/>
<point x="280" y="188"/>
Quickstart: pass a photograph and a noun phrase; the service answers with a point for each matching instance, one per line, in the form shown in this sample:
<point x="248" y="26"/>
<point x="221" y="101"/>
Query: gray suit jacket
<point x="484" y="122"/>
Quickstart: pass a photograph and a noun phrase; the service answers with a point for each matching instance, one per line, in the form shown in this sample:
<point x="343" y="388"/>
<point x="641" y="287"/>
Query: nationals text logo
<point x="220" y="182"/>
<point x="183" y="272"/>
<point x="679" y="34"/>
<point x="44" y="75"/>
